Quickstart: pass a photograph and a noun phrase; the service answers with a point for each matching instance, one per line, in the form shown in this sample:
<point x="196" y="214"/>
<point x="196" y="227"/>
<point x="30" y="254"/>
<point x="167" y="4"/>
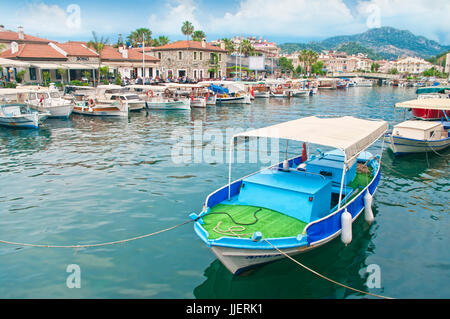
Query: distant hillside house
<point x="341" y="62"/>
<point x="191" y="59"/>
<point x="447" y="63"/>
<point x="412" y="65"/>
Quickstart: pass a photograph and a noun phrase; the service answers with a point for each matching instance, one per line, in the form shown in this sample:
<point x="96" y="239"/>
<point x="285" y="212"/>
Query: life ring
<point x="150" y="92"/>
<point x="91" y="102"/>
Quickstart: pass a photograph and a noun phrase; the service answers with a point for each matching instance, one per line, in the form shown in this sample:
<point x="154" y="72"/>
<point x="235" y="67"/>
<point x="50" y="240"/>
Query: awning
<point x="47" y="66"/>
<point x="13" y="63"/>
<point x="76" y="66"/>
<point x="349" y="134"/>
<point x="431" y="104"/>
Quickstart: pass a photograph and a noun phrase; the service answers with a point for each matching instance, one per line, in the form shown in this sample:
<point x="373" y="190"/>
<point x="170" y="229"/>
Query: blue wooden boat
<point x="298" y="204"/>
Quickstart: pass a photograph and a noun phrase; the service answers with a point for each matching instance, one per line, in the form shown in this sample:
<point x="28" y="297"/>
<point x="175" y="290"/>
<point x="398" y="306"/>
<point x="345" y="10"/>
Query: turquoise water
<point x="91" y="180"/>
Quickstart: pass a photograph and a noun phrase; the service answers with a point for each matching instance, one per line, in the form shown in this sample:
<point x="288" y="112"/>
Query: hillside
<point x="386" y="42"/>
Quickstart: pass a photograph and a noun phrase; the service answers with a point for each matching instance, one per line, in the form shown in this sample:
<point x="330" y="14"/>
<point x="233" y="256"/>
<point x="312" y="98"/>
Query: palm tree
<point x="246" y="48"/>
<point x="229" y="45"/>
<point x="161" y="40"/>
<point x="308" y="58"/>
<point x="198" y="35"/>
<point x="137" y="35"/>
<point x="98" y="45"/>
<point x="187" y="29"/>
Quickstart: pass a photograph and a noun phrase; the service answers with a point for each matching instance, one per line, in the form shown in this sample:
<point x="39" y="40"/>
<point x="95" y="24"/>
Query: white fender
<point x="368" y="214"/>
<point x="346" y="223"/>
<point x="286" y="165"/>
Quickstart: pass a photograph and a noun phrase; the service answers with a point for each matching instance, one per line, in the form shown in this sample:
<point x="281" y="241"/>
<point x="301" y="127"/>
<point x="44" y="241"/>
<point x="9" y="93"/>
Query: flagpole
<point x="143" y="59"/>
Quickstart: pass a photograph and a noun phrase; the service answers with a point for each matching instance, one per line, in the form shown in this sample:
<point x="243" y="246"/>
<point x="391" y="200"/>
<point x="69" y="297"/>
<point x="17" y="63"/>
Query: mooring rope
<point x="94" y="245"/>
<point x="324" y="277"/>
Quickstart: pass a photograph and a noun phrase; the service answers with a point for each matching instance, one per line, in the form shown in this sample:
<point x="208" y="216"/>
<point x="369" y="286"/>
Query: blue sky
<point x="276" y="20"/>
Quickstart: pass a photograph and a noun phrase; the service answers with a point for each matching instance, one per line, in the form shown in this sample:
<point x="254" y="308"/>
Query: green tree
<point x="229" y="45"/>
<point x="374" y="67"/>
<point x="393" y="71"/>
<point x="187" y="29"/>
<point x="20" y="76"/>
<point x="87" y="75"/>
<point x="104" y="71"/>
<point x="285" y="65"/>
<point x="98" y="44"/>
<point x="46" y="77"/>
<point x="198" y="35"/>
<point x="214" y="63"/>
<point x="137" y="35"/>
<point x="118" y="80"/>
<point x="161" y="40"/>
<point x="317" y="68"/>
<point x="308" y="58"/>
<point x="246" y="48"/>
<point x="62" y="72"/>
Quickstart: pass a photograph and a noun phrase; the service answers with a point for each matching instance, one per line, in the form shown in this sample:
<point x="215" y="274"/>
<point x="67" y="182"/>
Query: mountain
<point x="355" y="48"/>
<point x="387" y="42"/>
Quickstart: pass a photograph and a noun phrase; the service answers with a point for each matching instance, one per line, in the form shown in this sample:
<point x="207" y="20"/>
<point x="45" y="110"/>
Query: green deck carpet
<point x="270" y="223"/>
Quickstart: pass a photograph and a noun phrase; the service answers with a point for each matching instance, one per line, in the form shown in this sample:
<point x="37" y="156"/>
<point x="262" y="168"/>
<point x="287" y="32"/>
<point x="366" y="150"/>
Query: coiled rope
<point x="94" y="245"/>
<point x="324" y="277"/>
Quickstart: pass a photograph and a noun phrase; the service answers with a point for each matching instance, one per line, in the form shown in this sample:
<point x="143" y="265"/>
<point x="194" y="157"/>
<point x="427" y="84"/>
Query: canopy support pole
<point x="229" y="167"/>
<point x="342" y="180"/>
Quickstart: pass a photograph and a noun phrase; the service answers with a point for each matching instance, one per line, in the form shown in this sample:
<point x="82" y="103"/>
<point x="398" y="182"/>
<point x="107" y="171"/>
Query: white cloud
<point x="173" y="16"/>
<point x="421" y="17"/>
<point x="303" y="18"/>
<point x="50" y="19"/>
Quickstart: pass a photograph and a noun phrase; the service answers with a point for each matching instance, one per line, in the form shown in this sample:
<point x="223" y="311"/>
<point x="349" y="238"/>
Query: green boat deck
<point x="226" y="220"/>
<point x="269" y="222"/>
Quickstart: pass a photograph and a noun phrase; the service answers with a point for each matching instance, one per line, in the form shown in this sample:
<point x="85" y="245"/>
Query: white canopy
<point x="432" y="103"/>
<point x="76" y="66"/>
<point x="13" y="63"/>
<point x="349" y="134"/>
<point x="47" y="66"/>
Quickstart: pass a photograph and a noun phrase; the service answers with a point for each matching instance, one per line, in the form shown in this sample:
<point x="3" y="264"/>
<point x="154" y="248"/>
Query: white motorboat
<point x="418" y="136"/>
<point x="16" y="113"/>
<point x="51" y="101"/>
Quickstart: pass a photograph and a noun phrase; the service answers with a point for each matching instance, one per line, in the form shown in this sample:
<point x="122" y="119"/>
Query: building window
<point x="201" y="56"/>
<point x="195" y="74"/>
<point x="220" y="57"/>
<point x="32" y="74"/>
<point x="195" y="55"/>
<point x="159" y="55"/>
<point x="180" y="55"/>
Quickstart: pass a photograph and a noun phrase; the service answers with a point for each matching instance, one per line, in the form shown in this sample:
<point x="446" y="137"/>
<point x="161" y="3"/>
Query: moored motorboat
<point x="51" y="101"/>
<point x="432" y="92"/>
<point x="89" y="105"/>
<point x="298" y="204"/>
<point x="16" y="113"/>
<point x="418" y="136"/>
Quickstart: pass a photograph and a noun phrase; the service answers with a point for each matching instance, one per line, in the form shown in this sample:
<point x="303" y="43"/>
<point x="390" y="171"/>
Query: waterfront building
<point x="8" y="36"/>
<point x="412" y="65"/>
<point x="191" y="59"/>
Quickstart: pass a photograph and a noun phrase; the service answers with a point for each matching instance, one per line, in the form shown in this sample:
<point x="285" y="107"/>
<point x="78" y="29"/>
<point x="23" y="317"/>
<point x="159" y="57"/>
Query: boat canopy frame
<point x="341" y="133"/>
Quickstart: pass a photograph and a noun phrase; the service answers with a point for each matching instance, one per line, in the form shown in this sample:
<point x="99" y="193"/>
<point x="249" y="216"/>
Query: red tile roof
<point x="32" y="50"/>
<point x="10" y="36"/>
<point x="186" y="45"/>
<point x="111" y="53"/>
<point x="74" y="48"/>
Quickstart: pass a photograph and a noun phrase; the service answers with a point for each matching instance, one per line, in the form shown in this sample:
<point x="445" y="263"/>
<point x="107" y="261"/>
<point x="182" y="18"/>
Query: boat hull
<point x="402" y="145"/>
<point x="261" y="94"/>
<point x="56" y="111"/>
<point x="31" y="121"/>
<point x="100" y="111"/>
<point x="234" y="100"/>
<point x="168" y="105"/>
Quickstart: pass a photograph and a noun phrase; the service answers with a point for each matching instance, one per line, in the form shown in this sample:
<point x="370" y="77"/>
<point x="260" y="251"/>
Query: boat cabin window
<point x="55" y="95"/>
<point x="132" y="97"/>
